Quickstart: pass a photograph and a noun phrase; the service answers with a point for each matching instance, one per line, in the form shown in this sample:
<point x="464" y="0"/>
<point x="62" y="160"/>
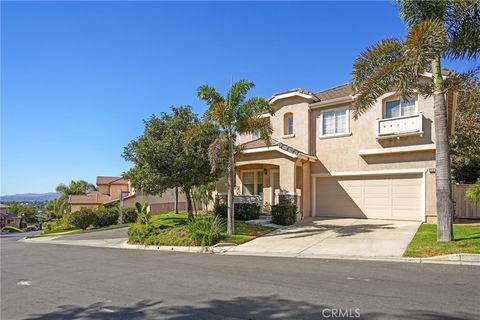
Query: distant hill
<point x="30" y="197"/>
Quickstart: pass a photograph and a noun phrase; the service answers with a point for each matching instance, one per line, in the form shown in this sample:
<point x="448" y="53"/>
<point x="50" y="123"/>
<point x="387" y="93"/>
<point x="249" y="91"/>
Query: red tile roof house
<point x="113" y="190"/>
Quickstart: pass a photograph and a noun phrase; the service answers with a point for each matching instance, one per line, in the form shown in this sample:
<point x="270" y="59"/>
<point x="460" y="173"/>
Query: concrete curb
<point x="218" y="248"/>
<point x="454" y="259"/>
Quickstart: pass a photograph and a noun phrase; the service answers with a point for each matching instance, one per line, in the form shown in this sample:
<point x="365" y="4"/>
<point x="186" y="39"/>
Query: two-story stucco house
<point x="381" y="165"/>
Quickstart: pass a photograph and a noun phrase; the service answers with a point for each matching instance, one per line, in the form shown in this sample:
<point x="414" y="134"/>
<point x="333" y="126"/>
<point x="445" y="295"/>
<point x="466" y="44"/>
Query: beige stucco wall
<point x="76" y="207"/>
<point x="115" y="190"/>
<point x="104" y="189"/>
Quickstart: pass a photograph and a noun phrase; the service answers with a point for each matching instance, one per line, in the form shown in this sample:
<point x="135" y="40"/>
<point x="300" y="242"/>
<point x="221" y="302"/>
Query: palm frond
<point x="237" y="93"/>
<point x="375" y="58"/>
<point x="416" y="11"/>
<point x="210" y="95"/>
<point x="258" y="124"/>
<point x="217" y="152"/>
<point x="253" y="107"/>
<point x="425" y="41"/>
<point x="463" y="22"/>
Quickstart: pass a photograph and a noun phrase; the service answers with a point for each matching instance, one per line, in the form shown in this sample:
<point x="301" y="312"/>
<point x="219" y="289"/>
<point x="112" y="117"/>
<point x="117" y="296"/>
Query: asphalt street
<point x="53" y="281"/>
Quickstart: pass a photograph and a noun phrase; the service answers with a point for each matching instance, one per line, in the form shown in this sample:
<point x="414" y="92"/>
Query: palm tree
<point x="233" y="115"/>
<point x="436" y="29"/>
<point x="75" y="187"/>
<point x="56" y="208"/>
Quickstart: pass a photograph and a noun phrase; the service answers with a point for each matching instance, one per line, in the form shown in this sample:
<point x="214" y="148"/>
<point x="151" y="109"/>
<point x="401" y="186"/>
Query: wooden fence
<point x="463" y="208"/>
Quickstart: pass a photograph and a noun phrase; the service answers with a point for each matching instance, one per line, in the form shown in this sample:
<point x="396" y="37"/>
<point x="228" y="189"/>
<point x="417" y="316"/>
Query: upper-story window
<point x="255" y="135"/>
<point x="335" y="122"/>
<point x="288" y="124"/>
<point x="400" y="108"/>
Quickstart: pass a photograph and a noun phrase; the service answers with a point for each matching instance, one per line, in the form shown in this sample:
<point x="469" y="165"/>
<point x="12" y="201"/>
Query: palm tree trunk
<point x="194" y="204"/>
<point x="230" y="178"/>
<point x="443" y="178"/>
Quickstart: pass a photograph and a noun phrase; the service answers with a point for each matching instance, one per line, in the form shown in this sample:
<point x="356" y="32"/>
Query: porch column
<point x="287" y="176"/>
<point x="306" y="191"/>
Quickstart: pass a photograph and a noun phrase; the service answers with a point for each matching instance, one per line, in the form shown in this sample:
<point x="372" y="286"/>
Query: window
<point x="255" y="135"/>
<point x="252" y="183"/>
<point x="248" y="183"/>
<point x="259" y="183"/>
<point x="335" y="122"/>
<point x="288" y="124"/>
<point x="400" y="108"/>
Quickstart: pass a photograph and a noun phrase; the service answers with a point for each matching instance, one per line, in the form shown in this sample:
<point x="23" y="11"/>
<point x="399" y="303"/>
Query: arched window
<point x="288" y="124"/>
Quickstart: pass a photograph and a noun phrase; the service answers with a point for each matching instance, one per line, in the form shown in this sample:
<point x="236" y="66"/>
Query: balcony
<point x="400" y="126"/>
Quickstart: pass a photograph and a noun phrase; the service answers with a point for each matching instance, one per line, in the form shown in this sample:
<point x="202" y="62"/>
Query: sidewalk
<point x="225" y="249"/>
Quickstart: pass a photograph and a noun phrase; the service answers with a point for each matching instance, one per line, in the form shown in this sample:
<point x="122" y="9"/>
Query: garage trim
<point x="370" y="173"/>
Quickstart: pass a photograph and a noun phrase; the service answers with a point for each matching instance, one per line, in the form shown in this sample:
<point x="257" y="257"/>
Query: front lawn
<point x="424" y="244"/>
<point x="171" y="229"/>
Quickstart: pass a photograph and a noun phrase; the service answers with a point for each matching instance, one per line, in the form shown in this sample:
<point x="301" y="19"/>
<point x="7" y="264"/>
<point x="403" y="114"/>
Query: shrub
<point x="144" y="215"/>
<point x="83" y="218"/>
<point x="206" y="230"/>
<point x="220" y="210"/>
<point x="47" y="227"/>
<point x="284" y="214"/>
<point x="243" y="211"/>
<point x="175" y="236"/>
<point x="105" y="216"/>
<point x="247" y="211"/>
<point x="129" y="215"/>
<point x="138" y="233"/>
<point x="66" y="222"/>
<point x="473" y="194"/>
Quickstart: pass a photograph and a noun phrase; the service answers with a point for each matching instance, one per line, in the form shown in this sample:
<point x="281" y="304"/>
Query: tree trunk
<point x="231" y="185"/>
<point x="189" y="203"/>
<point x="442" y="171"/>
<point x="194" y="204"/>
<point x="176" y="200"/>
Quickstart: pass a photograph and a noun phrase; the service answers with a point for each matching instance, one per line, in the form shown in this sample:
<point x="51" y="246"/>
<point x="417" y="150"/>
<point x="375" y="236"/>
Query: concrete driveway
<point x="335" y="237"/>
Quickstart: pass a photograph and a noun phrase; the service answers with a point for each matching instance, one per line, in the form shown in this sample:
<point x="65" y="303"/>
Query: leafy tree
<point x="436" y="29"/>
<point x="162" y="158"/>
<point x="75" y="187"/>
<point x="465" y="144"/>
<point x="233" y="115"/>
<point x="55" y="209"/>
<point x="27" y="213"/>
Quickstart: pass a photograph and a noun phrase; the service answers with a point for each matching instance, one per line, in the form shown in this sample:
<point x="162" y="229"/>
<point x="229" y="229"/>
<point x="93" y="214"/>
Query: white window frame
<point x="384" y="111"/>
<point x="255" y="180"/>
<point x="335" y="135"/>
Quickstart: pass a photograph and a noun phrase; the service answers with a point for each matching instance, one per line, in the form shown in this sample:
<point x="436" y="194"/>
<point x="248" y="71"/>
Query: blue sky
<point x="78" y="78"/>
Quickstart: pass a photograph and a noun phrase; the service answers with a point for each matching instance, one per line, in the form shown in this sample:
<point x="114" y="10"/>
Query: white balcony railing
<point x="399" y="126"/>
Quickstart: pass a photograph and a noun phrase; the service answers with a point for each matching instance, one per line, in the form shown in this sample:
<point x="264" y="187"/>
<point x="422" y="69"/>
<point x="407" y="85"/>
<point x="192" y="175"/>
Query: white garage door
<point x="381" y="197"/>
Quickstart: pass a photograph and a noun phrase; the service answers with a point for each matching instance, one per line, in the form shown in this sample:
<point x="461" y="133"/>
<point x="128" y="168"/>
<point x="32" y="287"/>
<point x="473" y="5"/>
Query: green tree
<point x="233" y="115"/>
<point x="75" y="187"/>
<point x="436" y="29"/>
<point x="162" y="159"/>
<point x="465" y="143"/>
<point x="55" y="209"/>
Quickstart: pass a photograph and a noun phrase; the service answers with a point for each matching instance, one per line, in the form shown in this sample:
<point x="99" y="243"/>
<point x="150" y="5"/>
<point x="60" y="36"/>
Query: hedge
<point x="243" y="211"/>
<point x="284" y="214"/>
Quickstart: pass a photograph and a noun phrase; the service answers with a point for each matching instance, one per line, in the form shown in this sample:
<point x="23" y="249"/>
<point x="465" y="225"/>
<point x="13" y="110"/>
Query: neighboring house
<point x="113" y="190"/>
<point x="381" y="165"/>
<point x="8" y="218"/>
